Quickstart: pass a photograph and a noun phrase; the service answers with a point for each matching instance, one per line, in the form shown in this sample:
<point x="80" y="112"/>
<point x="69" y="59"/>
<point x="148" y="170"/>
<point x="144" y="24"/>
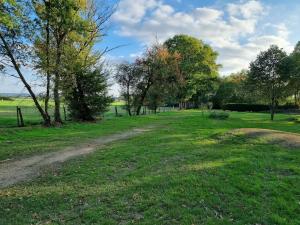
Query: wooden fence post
<point x="18" y="118"/>
<point x="21" y="118"/>
<point x="116" y="110"/>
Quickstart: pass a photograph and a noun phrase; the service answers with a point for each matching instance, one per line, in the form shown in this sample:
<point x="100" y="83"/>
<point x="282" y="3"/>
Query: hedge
<point x="242" y="107"/>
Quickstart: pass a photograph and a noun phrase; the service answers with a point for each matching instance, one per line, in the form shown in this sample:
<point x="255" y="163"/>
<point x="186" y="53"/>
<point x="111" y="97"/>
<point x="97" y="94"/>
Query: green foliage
<point x="244" y="107"/>
<point x="4" y="98"/>
<point x="88" y="98"/>
<point x="290" y="68"/>
<point x="234" y="89"/>
<point x="267" y="77"/>
<point x="198" y="63"/>
<point x="8" y="11"/>
<point x="218" y="115"/>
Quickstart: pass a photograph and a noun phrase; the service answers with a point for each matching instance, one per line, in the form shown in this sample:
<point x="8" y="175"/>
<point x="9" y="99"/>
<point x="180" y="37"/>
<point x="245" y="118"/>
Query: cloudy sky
<point x="237" y="29"/>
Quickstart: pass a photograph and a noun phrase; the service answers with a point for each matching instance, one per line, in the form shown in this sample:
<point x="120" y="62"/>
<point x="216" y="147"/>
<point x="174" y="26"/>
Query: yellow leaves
<point x="82" y="4"/>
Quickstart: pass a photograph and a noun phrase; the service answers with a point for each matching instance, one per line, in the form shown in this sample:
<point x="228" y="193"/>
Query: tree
<point x="157" y="67"/>
<point x="290" y="67"/>
<point x="15" y="33"/>
<point x="127" y="77"/>
<point x="63" y="20"/>
<point x="265" y="74"/>
<point x="83" y="78"/>
<point x="234" y="89"/>
<point x="43" y="45"/>
<point x="197" y="59"/>
<point x="89" y="97"/>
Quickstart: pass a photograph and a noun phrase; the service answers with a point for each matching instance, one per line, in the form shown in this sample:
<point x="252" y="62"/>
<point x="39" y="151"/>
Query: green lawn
<point x="186" y="171"/>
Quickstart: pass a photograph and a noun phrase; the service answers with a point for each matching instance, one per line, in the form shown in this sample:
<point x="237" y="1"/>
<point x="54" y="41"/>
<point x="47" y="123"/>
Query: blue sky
<point x="237" y="29"/>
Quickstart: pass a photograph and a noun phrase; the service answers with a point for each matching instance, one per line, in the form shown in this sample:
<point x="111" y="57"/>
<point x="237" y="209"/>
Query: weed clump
<point x="219" y="115"/>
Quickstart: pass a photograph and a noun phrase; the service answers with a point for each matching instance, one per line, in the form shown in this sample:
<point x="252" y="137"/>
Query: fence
<point x="22" y="112"/>
<point x="118" y="111"/>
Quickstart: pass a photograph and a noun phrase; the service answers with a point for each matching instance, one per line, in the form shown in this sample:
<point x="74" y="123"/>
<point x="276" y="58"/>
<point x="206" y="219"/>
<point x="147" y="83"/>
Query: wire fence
<point x="13" y="113"/>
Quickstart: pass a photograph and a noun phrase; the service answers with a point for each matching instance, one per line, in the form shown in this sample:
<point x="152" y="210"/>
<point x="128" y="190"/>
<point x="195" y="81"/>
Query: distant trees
<point x="148" y="78"/>
<point x="182" y="70"/>
<point x="127" y="77"/>
<point x="265" y="73"/>
<point x="234" y="88"/>
<point x="290" y="67"/>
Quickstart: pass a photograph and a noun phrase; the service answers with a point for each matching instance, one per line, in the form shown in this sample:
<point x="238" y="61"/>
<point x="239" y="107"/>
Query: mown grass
<point x="184" y="172"/>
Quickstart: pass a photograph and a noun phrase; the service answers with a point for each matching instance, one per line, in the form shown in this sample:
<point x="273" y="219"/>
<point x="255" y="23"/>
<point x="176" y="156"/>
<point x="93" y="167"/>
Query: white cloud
<point x="131" y="12"/>
<point x="234" y="32"/>
<point x="247" y="10"/>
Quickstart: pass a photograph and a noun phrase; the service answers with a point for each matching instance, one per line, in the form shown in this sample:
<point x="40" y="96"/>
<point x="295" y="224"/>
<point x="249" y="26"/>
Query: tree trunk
<point x="27" y="86"/>
<point x="272" y="108"/>
<point x="143" y="96"/>
<point x="85" y="112"/>
<point x="57" y="117"/>
<point x="128" y="101"/>
<point x="47" y="97"/>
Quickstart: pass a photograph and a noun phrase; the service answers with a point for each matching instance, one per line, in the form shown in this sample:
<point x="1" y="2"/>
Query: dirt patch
<point x="12" y="172"/>
<point x="285" y="139"/>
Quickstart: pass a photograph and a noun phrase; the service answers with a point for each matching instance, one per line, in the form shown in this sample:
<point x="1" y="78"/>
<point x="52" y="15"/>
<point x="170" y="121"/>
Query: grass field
<point x="8" y="117"/>
<point x="186" y="171"/>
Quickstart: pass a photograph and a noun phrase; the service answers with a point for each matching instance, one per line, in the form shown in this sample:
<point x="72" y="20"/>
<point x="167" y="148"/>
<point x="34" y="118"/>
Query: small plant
<point x="293" y="119"/>
<point x="219" y="115"/>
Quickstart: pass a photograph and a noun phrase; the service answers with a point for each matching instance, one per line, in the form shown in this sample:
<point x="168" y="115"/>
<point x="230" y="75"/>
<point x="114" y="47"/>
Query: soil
<point x="285" y="139"/>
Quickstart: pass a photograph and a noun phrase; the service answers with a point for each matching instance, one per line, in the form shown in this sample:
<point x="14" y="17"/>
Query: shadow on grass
<point x="186" y="173"/>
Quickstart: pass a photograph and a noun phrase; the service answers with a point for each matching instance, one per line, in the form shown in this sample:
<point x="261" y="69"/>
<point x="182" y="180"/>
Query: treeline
<point x="56" y="39"/>
<point x="273" y="80"/>
<point x="183" y="71"/>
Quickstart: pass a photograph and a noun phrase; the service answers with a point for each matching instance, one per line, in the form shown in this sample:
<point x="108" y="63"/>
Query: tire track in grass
<point x="13" y="172"/>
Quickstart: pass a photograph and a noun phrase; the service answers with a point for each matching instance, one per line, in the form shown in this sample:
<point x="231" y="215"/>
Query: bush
<point x="219" y="115"/>
<point x="288" y="107"/>
<point x="4" y="98"/>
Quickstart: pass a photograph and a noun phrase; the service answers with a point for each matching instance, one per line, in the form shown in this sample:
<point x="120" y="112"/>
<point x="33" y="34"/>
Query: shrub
<point x="5" y="98"/>
<point x="219" y="115"/>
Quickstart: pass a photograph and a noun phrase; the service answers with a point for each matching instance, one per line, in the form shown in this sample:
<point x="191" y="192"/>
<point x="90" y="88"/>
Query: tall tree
<point x="42" y="43"/>
<point x="15" y="33"/>
<point x="290" y="67"/>
<point x="157" y="66"/>
<point x="64" y="19"/>
<point x="127" y="77"/>
<point x="196" y="58"/>
<point x="267" y="77"/>
<point x="84" y="80"/>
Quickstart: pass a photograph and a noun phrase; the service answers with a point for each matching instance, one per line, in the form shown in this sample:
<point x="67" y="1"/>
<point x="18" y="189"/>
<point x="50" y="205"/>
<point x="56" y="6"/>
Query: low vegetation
<point x="219" y="115"/>
<point x="185" y="171"/>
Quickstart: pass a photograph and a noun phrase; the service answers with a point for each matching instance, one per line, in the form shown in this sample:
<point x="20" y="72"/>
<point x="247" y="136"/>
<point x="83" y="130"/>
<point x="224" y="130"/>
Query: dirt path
<point x="285" y="139"/>
<point x="13" y="172"/>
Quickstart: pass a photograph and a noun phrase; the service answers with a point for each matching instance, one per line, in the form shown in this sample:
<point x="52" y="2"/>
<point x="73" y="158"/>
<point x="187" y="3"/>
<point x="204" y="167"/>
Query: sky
<point x="237" y="29"/>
